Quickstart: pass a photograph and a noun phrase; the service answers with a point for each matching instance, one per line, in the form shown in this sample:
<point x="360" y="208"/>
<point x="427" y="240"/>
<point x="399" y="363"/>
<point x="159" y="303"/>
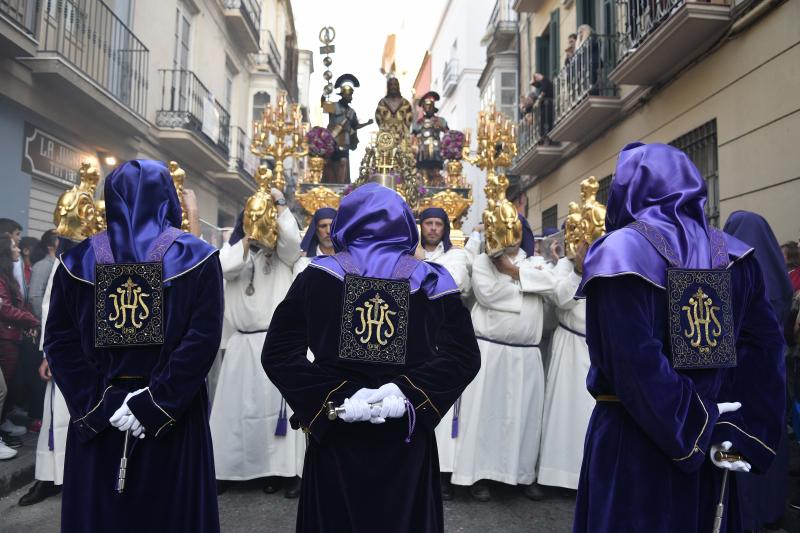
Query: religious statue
<point x="74" y="216"/>
<point x="343" y="125"/>
<point x="394" y="113"/>
<point x="428" y="130"/>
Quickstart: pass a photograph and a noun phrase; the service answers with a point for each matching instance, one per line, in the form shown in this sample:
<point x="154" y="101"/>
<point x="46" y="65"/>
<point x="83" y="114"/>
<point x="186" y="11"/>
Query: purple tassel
<point x="280" y="428"/>
<point x="51" y="440"/>
<point x="456" y="411"/>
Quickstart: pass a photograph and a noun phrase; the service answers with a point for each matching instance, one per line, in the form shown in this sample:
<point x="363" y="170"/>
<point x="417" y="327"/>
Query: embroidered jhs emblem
<point x="700" y="314"/>
<point x="129" y="297"/>
<point x="701" y="318"/>
<point x="128" y="304"/>
<point x="376" y="322"/>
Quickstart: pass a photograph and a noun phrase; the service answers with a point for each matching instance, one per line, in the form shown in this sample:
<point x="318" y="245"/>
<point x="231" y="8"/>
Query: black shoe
<point x="271" y="486"/>
<point x="11" y="442"/>
<point x="480" y="491"/>
<point x="535" y="492"/>
<point x="447" y="488"/>
<point x="41" y="490"/>
<point x="222" y="486"/>
<point x="292" y="488"/>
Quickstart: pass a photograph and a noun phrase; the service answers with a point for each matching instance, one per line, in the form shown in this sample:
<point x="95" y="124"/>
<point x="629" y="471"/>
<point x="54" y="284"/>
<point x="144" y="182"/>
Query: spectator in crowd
<point x="587" y="51"/>
<point x="544" y="88"/>
<point x="26" y="247"/>
<point x="569" y="51"/>
<point x="13" y="229"/>
<point x="15" y="324"/>
<point x="43" y="257"/>
<point x="791" y="254"/>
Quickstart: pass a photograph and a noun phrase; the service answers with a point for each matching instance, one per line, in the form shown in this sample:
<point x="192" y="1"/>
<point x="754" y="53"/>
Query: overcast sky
<point x="361" y="29"/>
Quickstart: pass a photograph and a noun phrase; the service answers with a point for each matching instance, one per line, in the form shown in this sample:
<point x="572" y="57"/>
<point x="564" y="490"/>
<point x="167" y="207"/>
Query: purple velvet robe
<point x="646" y="464"/>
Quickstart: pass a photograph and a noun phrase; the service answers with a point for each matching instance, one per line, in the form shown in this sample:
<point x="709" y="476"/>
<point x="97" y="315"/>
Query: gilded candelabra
<point x="280" y="134"/>
<point x="497" y="146"/>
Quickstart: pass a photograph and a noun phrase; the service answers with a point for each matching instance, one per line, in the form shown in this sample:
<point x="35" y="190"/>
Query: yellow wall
<point x="750" y="85"/>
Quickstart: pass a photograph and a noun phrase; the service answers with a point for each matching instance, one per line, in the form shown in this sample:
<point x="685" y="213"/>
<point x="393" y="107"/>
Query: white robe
<point x="246" y="404"/>
<point x="50" y="463"/>
<point x="567" y="404"/>
<point x="458" y="263"/>
<point x="501" y="410"/>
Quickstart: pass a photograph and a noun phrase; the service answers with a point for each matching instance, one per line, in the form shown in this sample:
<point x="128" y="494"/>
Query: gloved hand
<point x="733" y="466"/>
<point x="728" y="407"/>
<point x="363" y="394"/>
<point x="391" y="407"/>
<point x="389" y="389"/>
<point x="124" y="420"/>
<point x="355" y="410"/>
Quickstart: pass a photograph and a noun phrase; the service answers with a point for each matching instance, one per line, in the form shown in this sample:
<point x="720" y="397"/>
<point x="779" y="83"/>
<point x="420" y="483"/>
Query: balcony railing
<point x="23" y="13"/>
<point x="636" y="19"/>
<point x="250" y="10"/>
<point x="503" y="17"/>
<point x="88" y="35"/>
<point x="535" y="125"/>
<point x="242" y="160"/>
<point x="187" y="104"/>
<point x="586" y="74"/>
<point x="450" y="76"/>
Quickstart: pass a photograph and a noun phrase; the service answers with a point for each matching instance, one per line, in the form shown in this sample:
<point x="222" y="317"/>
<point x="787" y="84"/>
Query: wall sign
<point x="48" y="157"/>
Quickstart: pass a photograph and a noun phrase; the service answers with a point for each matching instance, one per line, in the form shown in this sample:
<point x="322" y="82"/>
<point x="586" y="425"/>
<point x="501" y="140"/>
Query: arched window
<point x="260" y="103"/>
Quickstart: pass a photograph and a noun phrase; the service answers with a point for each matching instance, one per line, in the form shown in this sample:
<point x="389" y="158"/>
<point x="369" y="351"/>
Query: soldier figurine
<point x="428" y="130"/>
<point x="343" y="124"/>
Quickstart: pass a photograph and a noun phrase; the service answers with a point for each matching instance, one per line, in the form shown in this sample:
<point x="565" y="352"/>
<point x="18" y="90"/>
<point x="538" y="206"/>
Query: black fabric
<point x="363" y="477"/>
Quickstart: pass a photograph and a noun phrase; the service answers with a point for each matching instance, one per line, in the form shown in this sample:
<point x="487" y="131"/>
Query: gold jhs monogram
<point x="700" y="313"/>
<point x="376" y="321"/>
<point x="129" y="298"/>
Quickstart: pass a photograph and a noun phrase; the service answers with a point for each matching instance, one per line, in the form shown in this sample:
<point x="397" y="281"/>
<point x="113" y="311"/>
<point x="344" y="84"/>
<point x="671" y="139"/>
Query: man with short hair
<point x="317" y="240"/>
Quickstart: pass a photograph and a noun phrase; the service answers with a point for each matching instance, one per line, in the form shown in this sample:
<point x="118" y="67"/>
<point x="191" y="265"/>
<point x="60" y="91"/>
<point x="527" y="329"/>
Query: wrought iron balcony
<point x="22" y="13"/>
<point x="659" y="37"/>
<point x="91" y="39"/>
<point x="268" y="57"/>
<point x="502" y="27"/>
<point x="244" y="19"/>
<point x="585" y="98"/>
<point x="237" y="178"/>
<point x="187" y="105"/>
<point x="537" y="154"/>
<point x="450" y="76"/>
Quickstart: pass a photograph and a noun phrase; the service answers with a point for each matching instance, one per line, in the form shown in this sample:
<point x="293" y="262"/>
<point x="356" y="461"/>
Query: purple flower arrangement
<point x="422" y="190"/>
<point x="452" y="145"/>
<point x="320" y="142"/>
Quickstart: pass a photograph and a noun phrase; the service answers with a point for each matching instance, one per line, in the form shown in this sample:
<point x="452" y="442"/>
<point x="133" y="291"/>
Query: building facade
<point x="123" y="79"/>
<point x="717" y="79"/>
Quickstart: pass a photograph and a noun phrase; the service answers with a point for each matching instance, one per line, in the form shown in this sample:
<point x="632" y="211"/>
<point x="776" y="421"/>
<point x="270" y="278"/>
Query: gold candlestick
<point x="280" y="135"/>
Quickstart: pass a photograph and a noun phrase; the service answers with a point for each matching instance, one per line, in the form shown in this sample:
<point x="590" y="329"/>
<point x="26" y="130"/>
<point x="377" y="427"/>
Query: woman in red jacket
<point x="15" y="320"/>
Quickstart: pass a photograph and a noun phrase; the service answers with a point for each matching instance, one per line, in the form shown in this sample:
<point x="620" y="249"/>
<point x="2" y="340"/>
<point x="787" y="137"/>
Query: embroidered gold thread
<point x="423" y="393"/>
<point x="325" y="404"/>
<point x="749" y="435"/>
<point x="696" y="448"/>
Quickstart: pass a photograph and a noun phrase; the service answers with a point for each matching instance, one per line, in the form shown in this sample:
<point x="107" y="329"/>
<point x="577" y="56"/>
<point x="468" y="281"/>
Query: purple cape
<point x="238" y="229"/>
<point x="438" y="212"/>
<point x="141" y="202"/>
<point x="375" y="225"/>
<point x="657" y="184"/>
<point x="528" y="243"/>
<point x="310" y="241"/>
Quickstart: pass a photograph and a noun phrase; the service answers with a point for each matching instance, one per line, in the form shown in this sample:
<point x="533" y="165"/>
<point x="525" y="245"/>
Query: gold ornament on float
<point x="178" y="179"/>
<point x="317" y="198"/>
<point x="74" y="215"/>
<point x="260" y="213"/>
<point x="585" y="222"/>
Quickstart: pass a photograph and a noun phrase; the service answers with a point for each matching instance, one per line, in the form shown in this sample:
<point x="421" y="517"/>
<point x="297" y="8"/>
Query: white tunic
<point x="501" y="410"/>
<point x="458" y="263"/>
<point x="50" y="463"/>
<point x="567" y="405"/>
<point x="246" y="404"/>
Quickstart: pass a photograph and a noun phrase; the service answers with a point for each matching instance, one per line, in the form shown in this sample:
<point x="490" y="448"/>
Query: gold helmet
<point x="260" y="213"/>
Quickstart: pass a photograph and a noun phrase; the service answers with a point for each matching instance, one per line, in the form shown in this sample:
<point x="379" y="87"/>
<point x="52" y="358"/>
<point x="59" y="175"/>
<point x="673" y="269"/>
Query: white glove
<point x="362" y="394"/>
<point x="733" y="466"/>
<point x="124" y="420"/>
<point x="391" y="407"/>
<point x="355" y="410"/>
<point x="728" y="407"/>
<point x="389" y="389"/>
